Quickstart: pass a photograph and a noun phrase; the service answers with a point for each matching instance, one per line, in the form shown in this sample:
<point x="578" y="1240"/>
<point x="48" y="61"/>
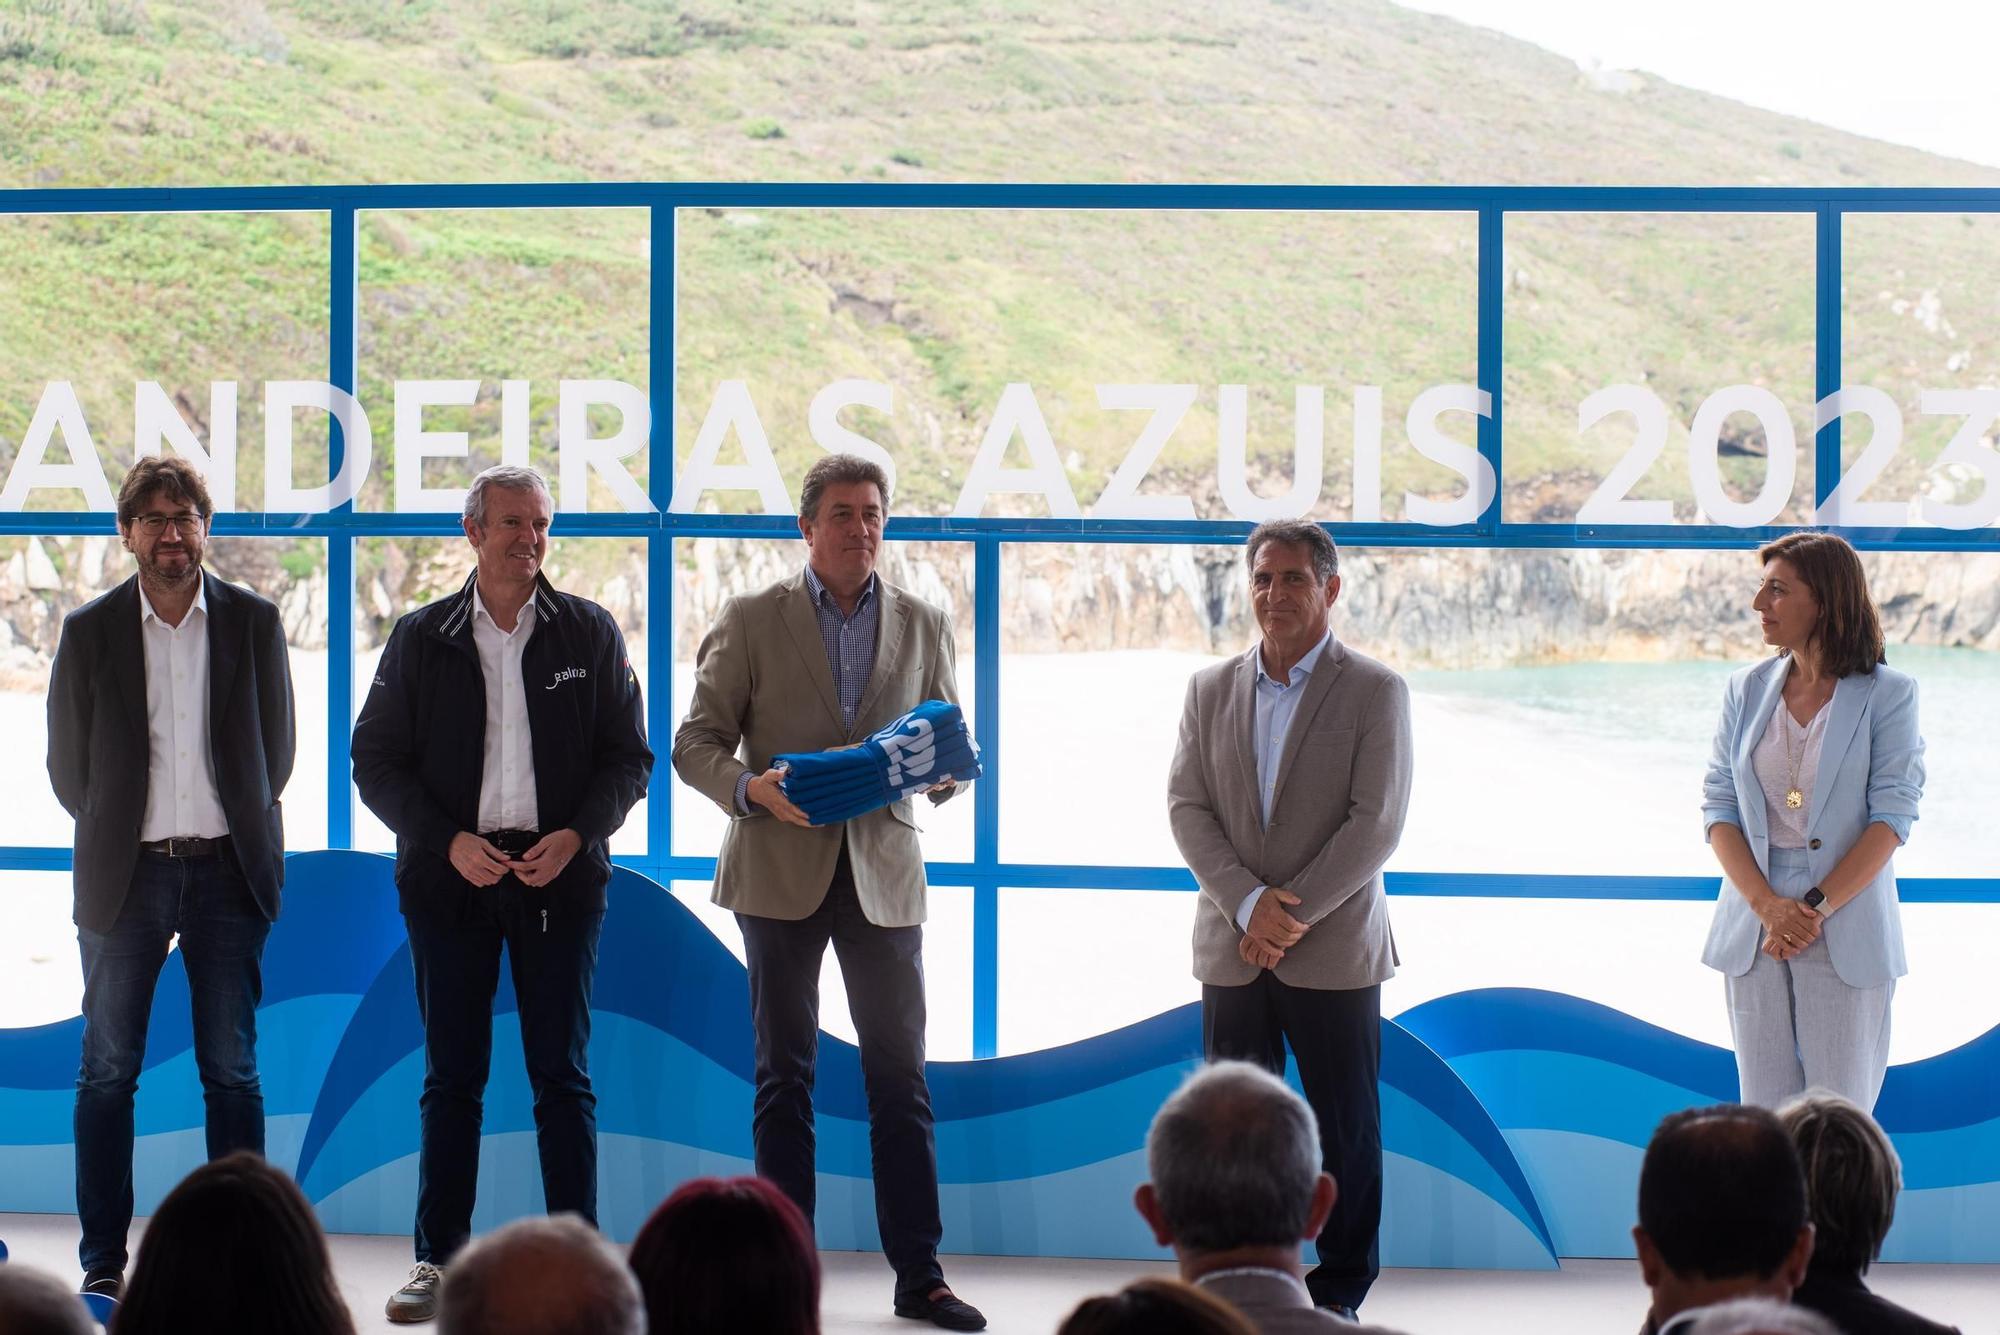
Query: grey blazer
<point x="1276" y="1305"/>
<point x="1343" y="788"/>
<point x="762" y="686"/>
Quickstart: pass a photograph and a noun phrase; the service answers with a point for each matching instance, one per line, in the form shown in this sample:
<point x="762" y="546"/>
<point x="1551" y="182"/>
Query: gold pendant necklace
<point x="1794" y="799"/>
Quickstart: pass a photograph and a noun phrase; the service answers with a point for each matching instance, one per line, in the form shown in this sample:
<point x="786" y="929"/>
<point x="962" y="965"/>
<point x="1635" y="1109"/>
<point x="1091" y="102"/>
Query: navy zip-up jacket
<point x="419" y="745"/>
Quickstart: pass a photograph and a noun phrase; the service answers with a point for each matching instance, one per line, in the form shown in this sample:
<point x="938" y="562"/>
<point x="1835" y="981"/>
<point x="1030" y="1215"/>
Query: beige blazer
<point x="1343" y="788"/>
<point x="762" y="686"/>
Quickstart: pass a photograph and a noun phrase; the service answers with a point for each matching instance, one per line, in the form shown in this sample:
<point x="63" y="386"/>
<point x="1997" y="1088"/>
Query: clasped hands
<point x="1789" y="927"/>
<point x="767" y="790"/>
<point x="482" y="864"/>
<point x="1272" y="931"/>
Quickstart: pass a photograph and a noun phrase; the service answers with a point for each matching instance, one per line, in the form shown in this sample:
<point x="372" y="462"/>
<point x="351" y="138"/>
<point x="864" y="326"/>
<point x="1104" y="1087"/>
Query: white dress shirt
<point x="507" y="774"/>
<point x="181" y="797"/>
<point x="1276" y="704"/>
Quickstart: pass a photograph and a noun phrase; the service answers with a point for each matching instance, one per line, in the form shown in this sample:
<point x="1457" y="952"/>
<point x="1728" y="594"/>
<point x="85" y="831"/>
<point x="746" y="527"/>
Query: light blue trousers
<point x="1797" y="1026"/>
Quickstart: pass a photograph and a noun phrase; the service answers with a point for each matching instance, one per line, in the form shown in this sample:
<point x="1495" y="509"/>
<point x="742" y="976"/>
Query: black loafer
<point x="949" y="1311"/>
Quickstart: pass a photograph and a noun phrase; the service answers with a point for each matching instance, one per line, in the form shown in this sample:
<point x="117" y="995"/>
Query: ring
<point x="1788" y="936"/>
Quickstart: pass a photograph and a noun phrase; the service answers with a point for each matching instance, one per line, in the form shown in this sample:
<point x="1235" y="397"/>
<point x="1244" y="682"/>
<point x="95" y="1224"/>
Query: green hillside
<point x="947" y="307"/>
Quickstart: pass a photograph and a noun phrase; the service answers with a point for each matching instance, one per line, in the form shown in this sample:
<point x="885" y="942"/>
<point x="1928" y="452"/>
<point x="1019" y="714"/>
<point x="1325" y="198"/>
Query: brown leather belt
<point x="188" y="847"/>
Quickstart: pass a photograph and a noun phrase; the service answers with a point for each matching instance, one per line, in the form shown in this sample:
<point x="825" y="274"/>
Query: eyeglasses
<point x="153" y="524"/>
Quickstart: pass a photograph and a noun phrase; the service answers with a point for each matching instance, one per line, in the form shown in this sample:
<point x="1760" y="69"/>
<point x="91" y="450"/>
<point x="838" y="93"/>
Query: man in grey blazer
<point x="1287" y="794"/>
<point x="814" y="662"/>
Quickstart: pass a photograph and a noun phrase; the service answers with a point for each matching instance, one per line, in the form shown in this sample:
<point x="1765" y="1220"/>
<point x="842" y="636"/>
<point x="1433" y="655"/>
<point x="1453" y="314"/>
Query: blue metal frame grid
<point x="987" y="874"/>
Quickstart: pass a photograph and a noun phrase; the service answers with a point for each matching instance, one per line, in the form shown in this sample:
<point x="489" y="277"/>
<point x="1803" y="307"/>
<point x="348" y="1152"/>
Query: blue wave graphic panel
<point x="1512" y="1120"/>
<point x="1577" y="1088"/>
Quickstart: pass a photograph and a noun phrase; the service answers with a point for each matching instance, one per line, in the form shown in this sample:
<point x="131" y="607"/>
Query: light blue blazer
<point x="1871" y="768"/>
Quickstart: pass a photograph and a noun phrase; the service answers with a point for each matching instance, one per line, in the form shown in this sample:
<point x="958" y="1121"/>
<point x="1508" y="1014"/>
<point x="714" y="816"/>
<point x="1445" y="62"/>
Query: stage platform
<point x="1029" y="1296"/>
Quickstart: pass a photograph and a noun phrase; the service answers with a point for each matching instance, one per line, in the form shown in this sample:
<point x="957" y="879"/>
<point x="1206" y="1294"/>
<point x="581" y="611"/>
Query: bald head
<point x="541" y="1277"/>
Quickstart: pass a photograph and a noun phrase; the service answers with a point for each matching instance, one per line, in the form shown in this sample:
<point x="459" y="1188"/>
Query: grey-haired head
<point x="1235" y="1161"/>
<point x="508" y="477"/>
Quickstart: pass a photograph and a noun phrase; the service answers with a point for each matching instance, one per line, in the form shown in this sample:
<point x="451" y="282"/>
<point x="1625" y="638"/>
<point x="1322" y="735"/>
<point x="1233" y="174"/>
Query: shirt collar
<point x="817" y="591"/>
<point x="1259" y="1272"/>
<point x="1301" y="669"/>
<point x="146" y="612"/>
<point x="522" y="618"/>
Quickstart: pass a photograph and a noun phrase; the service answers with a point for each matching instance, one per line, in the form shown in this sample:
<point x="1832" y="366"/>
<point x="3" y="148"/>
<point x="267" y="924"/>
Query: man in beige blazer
<point x="814" y="662"/>
<point x="1287" y="794"/>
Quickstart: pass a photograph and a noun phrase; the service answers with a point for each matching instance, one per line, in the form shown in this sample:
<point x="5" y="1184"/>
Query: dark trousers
<point x="1336" y="1038"/>
<point x="553" y="957"/>
<point x="208" y="904"/>
<point x="884" y="969"/>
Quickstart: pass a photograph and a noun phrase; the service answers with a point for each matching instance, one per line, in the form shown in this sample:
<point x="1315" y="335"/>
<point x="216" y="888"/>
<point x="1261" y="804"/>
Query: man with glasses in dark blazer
<point x="170" y="738"/>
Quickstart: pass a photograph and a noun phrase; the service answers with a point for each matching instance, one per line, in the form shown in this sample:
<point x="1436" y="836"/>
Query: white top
<point x="1774" y="763"/>
<point x="181" y="797"/>
<point x="507" y="770"/>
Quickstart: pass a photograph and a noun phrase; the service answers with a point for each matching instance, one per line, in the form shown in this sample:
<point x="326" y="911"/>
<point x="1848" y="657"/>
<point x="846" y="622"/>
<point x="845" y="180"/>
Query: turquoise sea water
<point x="1623" y="746"/>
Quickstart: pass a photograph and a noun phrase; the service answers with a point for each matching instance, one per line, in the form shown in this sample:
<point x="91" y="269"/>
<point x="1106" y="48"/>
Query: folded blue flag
<point x="953" y="754"/>
<point x="924" y="747"/>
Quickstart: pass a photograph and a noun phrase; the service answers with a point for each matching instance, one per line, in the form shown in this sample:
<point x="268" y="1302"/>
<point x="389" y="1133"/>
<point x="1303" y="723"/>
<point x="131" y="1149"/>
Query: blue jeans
<point x="208" y="903"/>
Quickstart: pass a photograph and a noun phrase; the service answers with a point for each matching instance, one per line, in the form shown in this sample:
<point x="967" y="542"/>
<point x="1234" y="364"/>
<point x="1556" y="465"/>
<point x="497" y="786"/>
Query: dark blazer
<point x="98" y="750"/>
<point x="1844" y="1300"/>
<point x="420" y="743"/>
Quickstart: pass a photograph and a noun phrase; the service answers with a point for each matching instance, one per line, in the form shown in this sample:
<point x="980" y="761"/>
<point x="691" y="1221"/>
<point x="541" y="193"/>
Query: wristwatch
<point x="1814" y="898"/>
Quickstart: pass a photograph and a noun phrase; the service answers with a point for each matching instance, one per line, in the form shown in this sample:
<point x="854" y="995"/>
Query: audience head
<point x="32" y="1303"/>
<point x="234" y="1247"/>
<point x="1235" y="1164"/>
<point x="1760" y="1316"/>
<point x="1852" y="1177"/>
<point x="553" y="1276"/>
<point x="728" y="1252"/>
<point x="1156" y="1307"/>
<point x="1722" y="1209"/>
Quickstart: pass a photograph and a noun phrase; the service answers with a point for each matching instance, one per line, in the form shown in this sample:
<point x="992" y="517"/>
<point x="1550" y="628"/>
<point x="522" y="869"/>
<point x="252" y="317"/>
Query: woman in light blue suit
<point x="1812" y="785"/>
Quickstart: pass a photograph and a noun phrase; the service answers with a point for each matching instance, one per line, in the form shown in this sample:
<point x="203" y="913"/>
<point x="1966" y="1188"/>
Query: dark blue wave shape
<point x="1953" y="1090"/>
<point x="1514" y="1019"/>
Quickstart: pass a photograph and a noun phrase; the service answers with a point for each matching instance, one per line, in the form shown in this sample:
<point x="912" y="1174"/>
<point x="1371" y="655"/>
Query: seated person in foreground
<point x="34" y="1303"/>
<point x="234" y="1247"/>
<point x="1156" y="1307"/>
<point x="1760" y="1316"/>
<point x="1236" y="1188"/>
<point x="1852" y="1178"/>
<point x="728" y="1254"/>
<point x="1722" y="1214"/>
<point x="537" y="1276"/>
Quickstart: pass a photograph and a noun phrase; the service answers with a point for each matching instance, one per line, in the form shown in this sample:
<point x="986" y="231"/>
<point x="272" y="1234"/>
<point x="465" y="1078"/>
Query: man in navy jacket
<point x="503" y="741"/>
<point x="170" y="738"/>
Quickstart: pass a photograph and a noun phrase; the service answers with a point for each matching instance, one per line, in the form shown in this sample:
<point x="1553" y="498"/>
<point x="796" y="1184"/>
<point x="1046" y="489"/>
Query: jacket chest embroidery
<point x="567" y="674"/>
